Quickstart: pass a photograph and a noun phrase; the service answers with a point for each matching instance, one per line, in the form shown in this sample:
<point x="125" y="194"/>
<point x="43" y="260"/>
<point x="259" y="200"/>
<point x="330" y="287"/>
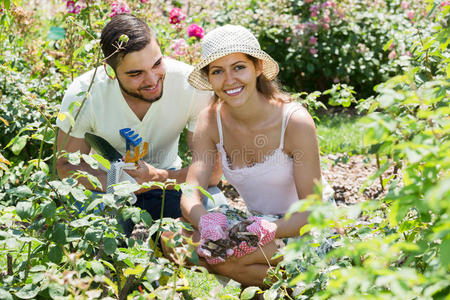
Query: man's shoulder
<point x="175" y="67"/>
<point x="85" y="79"/>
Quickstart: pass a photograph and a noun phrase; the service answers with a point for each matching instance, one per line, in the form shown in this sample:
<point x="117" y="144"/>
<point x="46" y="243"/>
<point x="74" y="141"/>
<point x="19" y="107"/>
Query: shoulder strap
<point x="219" y="123"/>
<point x="292" y="107"/>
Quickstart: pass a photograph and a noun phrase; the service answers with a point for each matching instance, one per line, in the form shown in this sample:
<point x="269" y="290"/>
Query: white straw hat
<point x="226" y="40"/>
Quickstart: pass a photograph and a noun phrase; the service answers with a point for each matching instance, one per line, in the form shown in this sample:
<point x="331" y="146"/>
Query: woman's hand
<point x="265" y="232"/>
<point x="213" y="227"/>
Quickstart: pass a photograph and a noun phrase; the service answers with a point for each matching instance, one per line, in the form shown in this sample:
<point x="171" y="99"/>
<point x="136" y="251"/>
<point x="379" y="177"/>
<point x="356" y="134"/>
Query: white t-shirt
<point x="105" y="112"/>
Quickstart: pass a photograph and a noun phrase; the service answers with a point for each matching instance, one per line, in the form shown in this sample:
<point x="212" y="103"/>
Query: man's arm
<point x="146" y="172"/>
<point x="65" y="169"/>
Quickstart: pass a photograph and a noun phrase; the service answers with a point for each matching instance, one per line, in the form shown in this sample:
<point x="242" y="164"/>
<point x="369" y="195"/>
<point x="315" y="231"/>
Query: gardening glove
<point x="212" y="227"/>
<point x="265" y="231"/>
<point x="117" y="174"/>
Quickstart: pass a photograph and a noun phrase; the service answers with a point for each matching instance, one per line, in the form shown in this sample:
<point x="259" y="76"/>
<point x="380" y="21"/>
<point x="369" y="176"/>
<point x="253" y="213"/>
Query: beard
<point x="139" y="96"/>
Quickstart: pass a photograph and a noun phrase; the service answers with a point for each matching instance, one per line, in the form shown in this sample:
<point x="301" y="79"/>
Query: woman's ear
<point x="259" y="67"/>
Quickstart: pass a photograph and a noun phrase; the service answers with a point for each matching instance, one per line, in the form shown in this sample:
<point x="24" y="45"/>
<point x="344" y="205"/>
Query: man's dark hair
<point x="138" y="32"/>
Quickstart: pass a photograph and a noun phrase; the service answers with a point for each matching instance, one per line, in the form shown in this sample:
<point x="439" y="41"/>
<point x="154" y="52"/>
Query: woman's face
<point x="233" y="78"/>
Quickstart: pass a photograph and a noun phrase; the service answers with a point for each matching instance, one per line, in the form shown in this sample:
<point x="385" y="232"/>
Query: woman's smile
<point x="234" y="92"/>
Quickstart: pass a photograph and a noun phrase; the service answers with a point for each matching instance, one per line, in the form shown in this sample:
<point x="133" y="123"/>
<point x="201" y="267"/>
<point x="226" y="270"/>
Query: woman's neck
<point x="252" y="113"/>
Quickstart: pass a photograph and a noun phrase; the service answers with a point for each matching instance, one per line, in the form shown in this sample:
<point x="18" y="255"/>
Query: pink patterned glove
<point x="265" y="231"/>
<point x="212" y="227"/>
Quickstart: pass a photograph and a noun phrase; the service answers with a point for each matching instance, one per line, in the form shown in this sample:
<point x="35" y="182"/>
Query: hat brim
<point x="200" y="81"/>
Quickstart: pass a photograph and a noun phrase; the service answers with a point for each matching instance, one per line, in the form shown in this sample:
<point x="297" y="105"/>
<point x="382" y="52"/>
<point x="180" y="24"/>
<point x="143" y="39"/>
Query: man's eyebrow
<point x="133" y="71"/>
<point x="137" y="71"/>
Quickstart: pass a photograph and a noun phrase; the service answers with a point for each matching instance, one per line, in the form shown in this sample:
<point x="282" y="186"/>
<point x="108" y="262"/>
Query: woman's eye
<point x="134" y="74"/>
<point x="239" y="67"/>
<point x="215" y="72"/>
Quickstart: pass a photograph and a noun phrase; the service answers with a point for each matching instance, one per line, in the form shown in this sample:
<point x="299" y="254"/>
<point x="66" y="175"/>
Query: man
<point x="150" y="95"/>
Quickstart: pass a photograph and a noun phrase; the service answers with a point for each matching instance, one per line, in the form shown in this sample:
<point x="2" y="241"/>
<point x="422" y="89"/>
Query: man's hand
<point x="144" y="172"/>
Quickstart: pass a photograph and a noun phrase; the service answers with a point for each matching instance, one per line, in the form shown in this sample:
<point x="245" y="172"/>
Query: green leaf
<point x="80" y="222"/>
<point x="97" y="267"/>
<point x="90" y="161"/>
<point x="59" y="234"/>
<point x="22" y="191"/>
<point x="38" y="268"/>
<point x="249" y="292"/>
<point x="445" y="253"/>
<point x="133" y="213"/>
<point x="93" y="204"/>
<point x="388" y="44"/>
<point x="93" y="235"/>
<point x="19" y="144"/>
<point x="109" y="246"/>
<point x="78" y="194"/>
<point x="49" y="209"/>
<point x="74" y="158"/>
<point x="24" y="209"/>
<point x="56" y="290"/>
<point x="5" y="295"/>
<point x="29" y="291"/>
<point x="146" y="217"/>
<point x="270" y="295"/>
<point x="104" y="162"/>
<point x="134" y="271"/>
<point x="56" y="33"/>
<point x="306" y="228"/>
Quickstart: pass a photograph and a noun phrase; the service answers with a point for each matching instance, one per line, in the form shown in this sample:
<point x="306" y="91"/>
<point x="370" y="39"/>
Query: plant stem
<point x="9" y="263"/>
<point x="124" y="291"/>
<point x="27" y="266"/>
<point x="160" y="223"/>
<point x="41" y="146"/>
<point x="378" y="166"/>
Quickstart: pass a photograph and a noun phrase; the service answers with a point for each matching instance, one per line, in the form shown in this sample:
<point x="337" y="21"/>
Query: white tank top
<point x="267" y="187"/>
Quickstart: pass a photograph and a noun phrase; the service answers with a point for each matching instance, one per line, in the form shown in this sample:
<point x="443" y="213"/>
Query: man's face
<point x="141" y="74"/>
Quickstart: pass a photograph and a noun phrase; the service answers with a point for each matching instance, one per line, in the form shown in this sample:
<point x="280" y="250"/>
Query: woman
<point x="268" y="150"/>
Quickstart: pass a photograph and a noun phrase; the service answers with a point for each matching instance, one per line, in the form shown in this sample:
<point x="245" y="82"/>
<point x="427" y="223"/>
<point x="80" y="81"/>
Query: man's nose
<point x="151" y="79"/>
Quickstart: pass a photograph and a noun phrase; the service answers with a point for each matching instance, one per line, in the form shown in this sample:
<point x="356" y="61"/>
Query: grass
<point x="206" y="285"/>
<point x="339" y="133"/>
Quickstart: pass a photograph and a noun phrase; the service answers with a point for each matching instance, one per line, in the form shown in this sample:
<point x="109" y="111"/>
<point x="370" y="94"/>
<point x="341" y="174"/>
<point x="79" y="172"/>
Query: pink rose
<point x="404" y="5"/>
<point x="176" y="16"/>
<point x="392" y="54"/>
<point x="411" y="14"/>
<point x="73" y="8"/>
<point x="194" y="30"/>
<point x="308" y="1"/>
<point x="336" y="79"/>
<point x="313" y="40"/>
<point x="313" y="51"/>
<point x="445" y="3"/>
<point x="144" y="1"/>
<point x="179" y="47"/>
<point x="118" y="8"/>
<point x="314" y="9"/>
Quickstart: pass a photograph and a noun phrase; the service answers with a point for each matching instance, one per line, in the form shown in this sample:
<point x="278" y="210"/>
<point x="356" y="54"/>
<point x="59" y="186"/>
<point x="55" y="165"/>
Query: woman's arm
<point x="301" y="143"/>
<point x="204" y="156"/>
